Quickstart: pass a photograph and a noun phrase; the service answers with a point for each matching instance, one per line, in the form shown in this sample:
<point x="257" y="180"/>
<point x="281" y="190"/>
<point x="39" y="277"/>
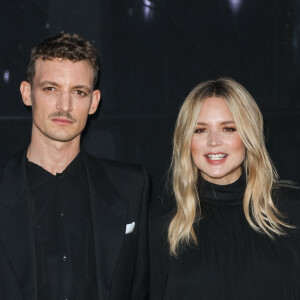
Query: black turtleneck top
<point x="231" y="260"/>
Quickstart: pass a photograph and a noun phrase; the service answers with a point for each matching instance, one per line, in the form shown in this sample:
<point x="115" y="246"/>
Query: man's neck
<point x="53" y="156"/>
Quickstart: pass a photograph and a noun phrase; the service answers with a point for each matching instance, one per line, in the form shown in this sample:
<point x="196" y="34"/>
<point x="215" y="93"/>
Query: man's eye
<point x="80" y="93"/>
<point x="49" y="89"/>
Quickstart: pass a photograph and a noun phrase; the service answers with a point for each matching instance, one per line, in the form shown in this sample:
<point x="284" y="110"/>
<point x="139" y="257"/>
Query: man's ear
<point x="95" y="101"/>
<point x="25" y="89"/>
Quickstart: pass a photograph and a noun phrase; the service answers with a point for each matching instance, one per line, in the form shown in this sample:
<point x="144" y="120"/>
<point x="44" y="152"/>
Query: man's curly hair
<point x="64" y="46"/>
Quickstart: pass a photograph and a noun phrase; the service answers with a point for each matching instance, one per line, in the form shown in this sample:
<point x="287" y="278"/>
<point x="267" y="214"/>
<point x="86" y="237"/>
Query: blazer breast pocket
<point x="130" y="228"/>
<point x="130" y="236"/>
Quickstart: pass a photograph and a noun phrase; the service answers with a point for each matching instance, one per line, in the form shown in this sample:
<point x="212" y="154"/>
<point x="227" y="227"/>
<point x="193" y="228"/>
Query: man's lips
<point x="61" y="120"/>
<point x="215" y="158"/>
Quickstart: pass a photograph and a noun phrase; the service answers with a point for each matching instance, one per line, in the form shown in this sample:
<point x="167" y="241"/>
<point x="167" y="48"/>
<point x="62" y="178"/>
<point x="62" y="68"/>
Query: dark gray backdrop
<point x="153" y="52"/>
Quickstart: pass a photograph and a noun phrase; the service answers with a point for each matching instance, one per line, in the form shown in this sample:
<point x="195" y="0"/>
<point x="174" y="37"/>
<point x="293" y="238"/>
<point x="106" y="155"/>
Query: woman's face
<point x="216" y="147"/>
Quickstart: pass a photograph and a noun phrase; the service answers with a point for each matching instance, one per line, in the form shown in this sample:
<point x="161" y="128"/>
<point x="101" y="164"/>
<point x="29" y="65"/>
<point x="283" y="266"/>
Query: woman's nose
<point x="214" y="139"/>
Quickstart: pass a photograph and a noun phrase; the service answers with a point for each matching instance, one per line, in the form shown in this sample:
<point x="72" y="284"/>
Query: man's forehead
<point x="64" y="67"/>
<point x="58" y="60"/>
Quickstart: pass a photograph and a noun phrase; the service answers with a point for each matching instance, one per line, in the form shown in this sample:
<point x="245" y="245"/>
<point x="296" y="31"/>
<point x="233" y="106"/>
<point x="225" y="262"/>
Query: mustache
<point x="66" y="115"/>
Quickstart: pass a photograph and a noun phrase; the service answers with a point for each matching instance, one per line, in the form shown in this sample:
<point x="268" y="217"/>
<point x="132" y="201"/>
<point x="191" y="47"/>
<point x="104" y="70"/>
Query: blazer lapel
<point x="109" y="211"/>
<point x="16" y="225"/>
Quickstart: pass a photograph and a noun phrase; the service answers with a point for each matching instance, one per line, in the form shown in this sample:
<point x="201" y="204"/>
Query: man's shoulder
<point x="113" y="165"/>
<point x="127" y="178"/>
<point x="16" y="157"/>
<point x="13" y="163"/>
<point x="117" y="170"/>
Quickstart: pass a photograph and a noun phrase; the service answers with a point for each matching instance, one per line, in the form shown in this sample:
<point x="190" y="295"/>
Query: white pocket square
<point x="129" y="227"/>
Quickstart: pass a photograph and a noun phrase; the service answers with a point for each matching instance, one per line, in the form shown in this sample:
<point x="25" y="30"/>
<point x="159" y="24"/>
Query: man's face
<point x="61" y="97"/>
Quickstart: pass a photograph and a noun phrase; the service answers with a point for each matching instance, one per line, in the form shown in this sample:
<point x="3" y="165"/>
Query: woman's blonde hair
<point x="261" y="176"/>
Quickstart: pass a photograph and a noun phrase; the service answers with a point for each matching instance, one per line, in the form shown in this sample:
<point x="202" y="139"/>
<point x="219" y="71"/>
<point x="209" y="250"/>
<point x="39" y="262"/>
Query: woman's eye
<point x="229" y="129"/>
<point x="200" y="130"/>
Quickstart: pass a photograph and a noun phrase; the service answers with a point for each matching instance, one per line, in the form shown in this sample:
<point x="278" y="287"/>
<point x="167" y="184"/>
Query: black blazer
<point x="119" y="196"/>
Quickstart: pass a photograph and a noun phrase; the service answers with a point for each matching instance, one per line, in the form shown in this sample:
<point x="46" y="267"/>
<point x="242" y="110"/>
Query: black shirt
<point x="231" y="260"/>
<point x="63" y="232"/>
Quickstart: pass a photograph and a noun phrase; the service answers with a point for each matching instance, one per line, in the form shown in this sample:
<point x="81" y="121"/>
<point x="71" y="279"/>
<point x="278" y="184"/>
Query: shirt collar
<point x="76" y="168"/>
<point x="38" y="175"/>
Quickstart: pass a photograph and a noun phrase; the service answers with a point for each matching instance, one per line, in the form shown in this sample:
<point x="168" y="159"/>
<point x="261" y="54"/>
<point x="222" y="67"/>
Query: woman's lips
<point x="215" y="158"/>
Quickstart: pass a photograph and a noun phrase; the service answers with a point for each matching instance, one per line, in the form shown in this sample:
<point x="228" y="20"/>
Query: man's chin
<point x="63" y="138"/>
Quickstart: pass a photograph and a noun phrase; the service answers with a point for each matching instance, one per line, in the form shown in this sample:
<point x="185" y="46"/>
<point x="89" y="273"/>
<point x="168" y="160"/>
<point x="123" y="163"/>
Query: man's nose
<point x="64" y="102"/>
<point x="214" y="138"/>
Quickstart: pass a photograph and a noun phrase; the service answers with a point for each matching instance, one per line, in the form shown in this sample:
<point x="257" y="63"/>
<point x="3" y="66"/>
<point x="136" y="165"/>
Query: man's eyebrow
<point x="48" y="82"/>
<point x="83" y="87"/>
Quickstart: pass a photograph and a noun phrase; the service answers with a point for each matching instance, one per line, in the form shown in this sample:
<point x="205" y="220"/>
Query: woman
<point x="233" y="230"/>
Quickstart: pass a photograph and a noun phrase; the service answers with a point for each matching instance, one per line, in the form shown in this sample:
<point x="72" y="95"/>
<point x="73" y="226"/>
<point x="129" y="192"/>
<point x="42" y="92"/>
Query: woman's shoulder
<point x="287" y="193"/>
<point x="287" y="199"/>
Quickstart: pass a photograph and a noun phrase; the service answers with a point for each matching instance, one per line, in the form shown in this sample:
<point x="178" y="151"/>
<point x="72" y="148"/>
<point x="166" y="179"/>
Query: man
<point x="71" y="226"/>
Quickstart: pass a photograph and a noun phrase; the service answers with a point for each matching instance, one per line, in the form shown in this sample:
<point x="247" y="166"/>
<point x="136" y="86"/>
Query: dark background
<point x="153" y="52"/>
